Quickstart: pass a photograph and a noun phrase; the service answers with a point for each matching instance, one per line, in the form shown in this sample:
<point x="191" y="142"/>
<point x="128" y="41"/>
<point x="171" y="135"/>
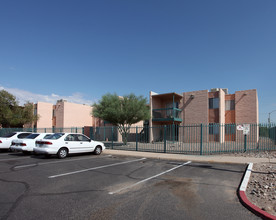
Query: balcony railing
<point x="166" y="114"/>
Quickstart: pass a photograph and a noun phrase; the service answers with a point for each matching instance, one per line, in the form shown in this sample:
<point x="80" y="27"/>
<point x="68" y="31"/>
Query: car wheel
<point x="98" y="150"/>
<point x="62" y="153"/>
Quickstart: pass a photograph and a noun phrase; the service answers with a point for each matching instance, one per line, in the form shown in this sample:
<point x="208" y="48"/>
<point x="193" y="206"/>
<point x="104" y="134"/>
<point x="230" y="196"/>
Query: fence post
<point x="136" y="138"/>
<point x="112" y="131"/>
<point x="91" y="133"/>
<point x="165" y="136"/>
<point x="245" y="140"/>
<point x="201" y="137"/>
<point x="173" y="132"/>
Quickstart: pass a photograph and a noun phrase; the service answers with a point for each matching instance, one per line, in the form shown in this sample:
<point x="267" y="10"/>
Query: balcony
<point x="167" y="114"/>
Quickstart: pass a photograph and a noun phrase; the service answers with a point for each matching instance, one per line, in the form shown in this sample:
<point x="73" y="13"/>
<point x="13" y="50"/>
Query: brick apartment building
<point x="212" y="108"/>
<point x="208" y="108"/>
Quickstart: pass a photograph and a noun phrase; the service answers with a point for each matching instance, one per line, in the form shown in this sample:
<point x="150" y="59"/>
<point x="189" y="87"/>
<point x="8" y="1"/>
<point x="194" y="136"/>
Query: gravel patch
<point x="261" y="189"/>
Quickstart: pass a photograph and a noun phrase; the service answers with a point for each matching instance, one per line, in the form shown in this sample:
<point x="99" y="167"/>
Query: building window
<point x="229" y="105"/>
<point x="214" y="128"/>
<point x="213" y="103"/>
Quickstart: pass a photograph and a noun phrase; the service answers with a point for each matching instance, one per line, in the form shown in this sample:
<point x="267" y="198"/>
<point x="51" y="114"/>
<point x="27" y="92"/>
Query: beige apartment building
<point x="71" y="115"/>
<point x="217" y="110"/>
<point x="63" y="115"/>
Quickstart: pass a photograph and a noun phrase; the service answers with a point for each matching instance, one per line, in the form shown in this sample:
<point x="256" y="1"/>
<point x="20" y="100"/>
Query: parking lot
<point x="116" y="187"/>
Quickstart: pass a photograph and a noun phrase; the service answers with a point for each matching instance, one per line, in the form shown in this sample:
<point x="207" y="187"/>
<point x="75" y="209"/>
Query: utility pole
<point x="269" y="116"/>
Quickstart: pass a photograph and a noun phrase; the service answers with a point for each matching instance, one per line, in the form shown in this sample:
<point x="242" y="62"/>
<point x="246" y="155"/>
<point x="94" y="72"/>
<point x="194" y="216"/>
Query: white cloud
<point x="25" y="96"/>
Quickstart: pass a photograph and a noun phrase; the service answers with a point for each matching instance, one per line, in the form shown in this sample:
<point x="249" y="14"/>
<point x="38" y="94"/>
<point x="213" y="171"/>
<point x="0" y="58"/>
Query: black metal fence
<point x="200" y="139"/>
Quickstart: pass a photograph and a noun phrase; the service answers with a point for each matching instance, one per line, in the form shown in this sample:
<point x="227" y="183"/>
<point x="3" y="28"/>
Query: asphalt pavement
<point x="113" y="186"/>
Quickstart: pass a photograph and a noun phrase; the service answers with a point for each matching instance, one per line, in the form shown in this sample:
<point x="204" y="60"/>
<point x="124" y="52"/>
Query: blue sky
<point x="82" y="49"/>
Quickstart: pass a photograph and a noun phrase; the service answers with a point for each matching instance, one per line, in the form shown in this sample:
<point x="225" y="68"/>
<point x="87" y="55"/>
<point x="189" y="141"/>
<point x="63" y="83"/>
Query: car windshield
<point x="32" y="136"/>
<point x="8" y="135"/>
<point x="55" y="136"/>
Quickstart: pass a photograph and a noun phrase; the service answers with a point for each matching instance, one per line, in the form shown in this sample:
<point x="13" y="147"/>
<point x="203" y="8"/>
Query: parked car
<point x="5" y="140"/>
<point x="27" y="144"/>
<point x="62" y="144"/>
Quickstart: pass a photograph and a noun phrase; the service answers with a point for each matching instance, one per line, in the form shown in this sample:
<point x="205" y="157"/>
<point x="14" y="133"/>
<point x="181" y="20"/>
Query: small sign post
<point x="246" y="130"/>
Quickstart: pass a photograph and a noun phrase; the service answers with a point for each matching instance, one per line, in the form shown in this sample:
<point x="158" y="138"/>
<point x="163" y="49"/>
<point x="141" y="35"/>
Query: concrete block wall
<point x="45" y="112"/>
<point x="194" y="111"/>
<point x="247" y="112"/>
<point x="245" y="106"/>
<point x="195" y="107"/>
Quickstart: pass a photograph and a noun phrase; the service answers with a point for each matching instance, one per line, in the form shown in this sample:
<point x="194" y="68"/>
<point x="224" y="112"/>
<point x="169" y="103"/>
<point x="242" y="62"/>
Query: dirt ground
<point x="261" y="189"/>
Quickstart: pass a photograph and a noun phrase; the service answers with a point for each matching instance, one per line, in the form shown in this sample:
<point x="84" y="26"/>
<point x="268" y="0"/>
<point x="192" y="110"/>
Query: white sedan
<point x="27" y="144"/>
<point x="62" y="144"/>
<point x="5" y="140"/>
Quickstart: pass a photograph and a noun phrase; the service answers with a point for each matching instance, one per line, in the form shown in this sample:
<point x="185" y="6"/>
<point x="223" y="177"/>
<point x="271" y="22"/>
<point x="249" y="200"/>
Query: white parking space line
<point x="60" y="161"/>
<point x="15" y="158"/>
<point x="142" y="181"/>
<point x="96" y="168"/>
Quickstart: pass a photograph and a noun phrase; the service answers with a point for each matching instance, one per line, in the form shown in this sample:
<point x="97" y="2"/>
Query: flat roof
<point x="168" y="95"/>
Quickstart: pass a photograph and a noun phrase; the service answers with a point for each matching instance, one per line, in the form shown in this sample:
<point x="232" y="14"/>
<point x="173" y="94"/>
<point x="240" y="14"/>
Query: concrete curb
<point x="244" y="200"/>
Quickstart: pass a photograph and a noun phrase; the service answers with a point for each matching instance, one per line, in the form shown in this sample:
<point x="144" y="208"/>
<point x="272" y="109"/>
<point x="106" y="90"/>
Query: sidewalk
<point x="193" y="158"/>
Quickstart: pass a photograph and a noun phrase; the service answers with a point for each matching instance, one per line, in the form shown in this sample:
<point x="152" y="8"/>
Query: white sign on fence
<point x="246" y="129"/>
<point x="240" y="128"/>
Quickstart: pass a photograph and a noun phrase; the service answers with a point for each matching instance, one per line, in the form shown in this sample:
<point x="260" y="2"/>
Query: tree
<point x="122" y="111"/>
<point x="7" y="103"/>
<point x="13" y="115"/>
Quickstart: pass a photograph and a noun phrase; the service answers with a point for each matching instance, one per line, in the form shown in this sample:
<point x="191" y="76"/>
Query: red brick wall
<point x="195" y="110"/>
<point x="246" y="106"/>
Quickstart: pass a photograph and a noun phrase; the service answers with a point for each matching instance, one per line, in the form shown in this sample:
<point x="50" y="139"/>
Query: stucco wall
<point x="222" y="114"/>
<point x="76" y="115"/>
<point x="45" y="112"/>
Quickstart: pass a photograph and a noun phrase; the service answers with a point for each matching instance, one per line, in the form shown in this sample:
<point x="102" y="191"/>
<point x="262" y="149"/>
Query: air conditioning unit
<point x="217" y="89"/>
<point x="214" y="89"/>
